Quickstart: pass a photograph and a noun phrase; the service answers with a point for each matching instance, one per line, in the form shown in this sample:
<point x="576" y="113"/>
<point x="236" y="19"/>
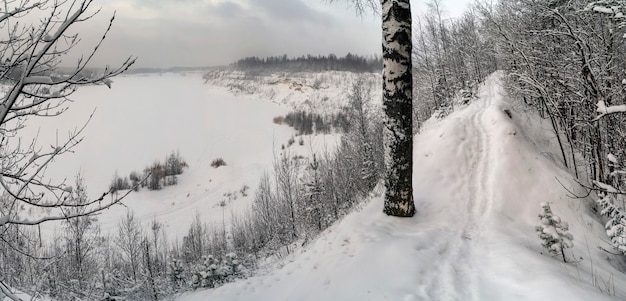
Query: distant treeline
<point x="350" y="62"/>
<point x="146" y="70"/>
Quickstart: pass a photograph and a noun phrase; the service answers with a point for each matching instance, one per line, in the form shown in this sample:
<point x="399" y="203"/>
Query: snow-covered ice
<point x="144" y="118"/>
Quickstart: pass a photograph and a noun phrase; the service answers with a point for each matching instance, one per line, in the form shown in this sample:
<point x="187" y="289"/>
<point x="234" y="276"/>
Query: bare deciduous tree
<point x="32" y="84"/>
<point x="81" y="235"/>
<point x="129" y="240"/>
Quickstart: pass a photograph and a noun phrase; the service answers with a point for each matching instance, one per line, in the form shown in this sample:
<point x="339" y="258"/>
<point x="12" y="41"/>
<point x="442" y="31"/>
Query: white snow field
<point x="479" y="179"/>
<point x="144" y="118"/>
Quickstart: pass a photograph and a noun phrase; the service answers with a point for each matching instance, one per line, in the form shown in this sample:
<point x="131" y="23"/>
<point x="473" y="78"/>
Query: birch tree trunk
<point x="397" y="106"/>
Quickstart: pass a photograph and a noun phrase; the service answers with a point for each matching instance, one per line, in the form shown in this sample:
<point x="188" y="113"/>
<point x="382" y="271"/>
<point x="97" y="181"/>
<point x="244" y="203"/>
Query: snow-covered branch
<point x="6" y="291"/>
<point x="604" y="110"/>
<point x="34" y="86"/>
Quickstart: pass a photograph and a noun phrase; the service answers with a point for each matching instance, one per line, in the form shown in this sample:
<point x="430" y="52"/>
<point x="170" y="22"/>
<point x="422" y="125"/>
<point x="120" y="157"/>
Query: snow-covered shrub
<point x="156" y="176"/>
<point x="174" y="164"/>
<point x="312" y="192"/>
<point x="608" y="209"/>
<point x="135" y="179"/>
<point x="218" y="163"/>
<point x="278" y="120"/>
<point x="119" y="183"/>
<point x="465" y="96"/>
<point x="112" y="285"/>
<point x="156" y="172"/>
<point x="231" y="267"/>
<point x="176" y="273"/>
<point x="443" y="111"/>
<point x="616" y="225"/>
<point x="553" y="232"/>
<point x="308" y="123"/>
<point x="213" y="272"/>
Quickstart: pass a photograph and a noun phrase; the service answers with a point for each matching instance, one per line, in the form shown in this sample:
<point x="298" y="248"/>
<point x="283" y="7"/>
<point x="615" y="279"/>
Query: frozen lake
<point x="143" y="118"/>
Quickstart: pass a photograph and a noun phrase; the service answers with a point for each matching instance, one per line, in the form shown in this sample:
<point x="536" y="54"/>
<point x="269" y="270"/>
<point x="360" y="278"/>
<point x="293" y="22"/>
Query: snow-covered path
<point x="479" y="176"/>
<point x="454" y="274"/>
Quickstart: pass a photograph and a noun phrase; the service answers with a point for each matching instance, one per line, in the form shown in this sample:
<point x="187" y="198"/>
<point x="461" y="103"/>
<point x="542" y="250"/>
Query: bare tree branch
<point x="34" y="86"/>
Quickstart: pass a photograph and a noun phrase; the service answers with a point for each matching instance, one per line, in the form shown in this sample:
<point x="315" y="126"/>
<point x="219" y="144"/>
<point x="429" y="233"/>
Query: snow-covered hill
<point x="479" y="179"/>
<point x="320" y="92"/>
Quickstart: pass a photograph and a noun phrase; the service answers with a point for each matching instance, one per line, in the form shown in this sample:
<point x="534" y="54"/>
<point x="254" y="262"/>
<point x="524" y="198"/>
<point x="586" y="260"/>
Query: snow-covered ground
<point x="143" y="118"/>
<point x="320" y="92"/>
<point x="479" y="179"/>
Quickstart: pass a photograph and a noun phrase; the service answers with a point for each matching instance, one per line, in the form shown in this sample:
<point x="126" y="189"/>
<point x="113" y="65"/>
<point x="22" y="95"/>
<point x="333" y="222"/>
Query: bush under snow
<point x="616" y="225"/>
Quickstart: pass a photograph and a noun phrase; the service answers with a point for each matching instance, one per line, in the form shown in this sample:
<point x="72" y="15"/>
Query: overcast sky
<point x="166" y="33"/>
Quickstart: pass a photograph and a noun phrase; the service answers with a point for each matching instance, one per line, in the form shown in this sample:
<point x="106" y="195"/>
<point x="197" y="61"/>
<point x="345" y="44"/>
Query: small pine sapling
<point x="553" y="232"/>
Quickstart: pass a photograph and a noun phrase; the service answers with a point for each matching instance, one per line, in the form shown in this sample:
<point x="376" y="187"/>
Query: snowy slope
<point x="479" y="179"/>
<point x="320" y="92"/>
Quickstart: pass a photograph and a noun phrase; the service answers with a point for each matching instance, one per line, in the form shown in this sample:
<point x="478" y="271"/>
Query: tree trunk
<point x="155" y="295"/>
<point x="397" y="105"/>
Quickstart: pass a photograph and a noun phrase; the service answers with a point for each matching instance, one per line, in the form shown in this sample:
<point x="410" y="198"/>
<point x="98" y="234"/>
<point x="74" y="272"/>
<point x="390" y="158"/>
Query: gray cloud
<point x="166" y="33"/>
<point x="292" y="10"/>
<point x="229" y="10"/>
